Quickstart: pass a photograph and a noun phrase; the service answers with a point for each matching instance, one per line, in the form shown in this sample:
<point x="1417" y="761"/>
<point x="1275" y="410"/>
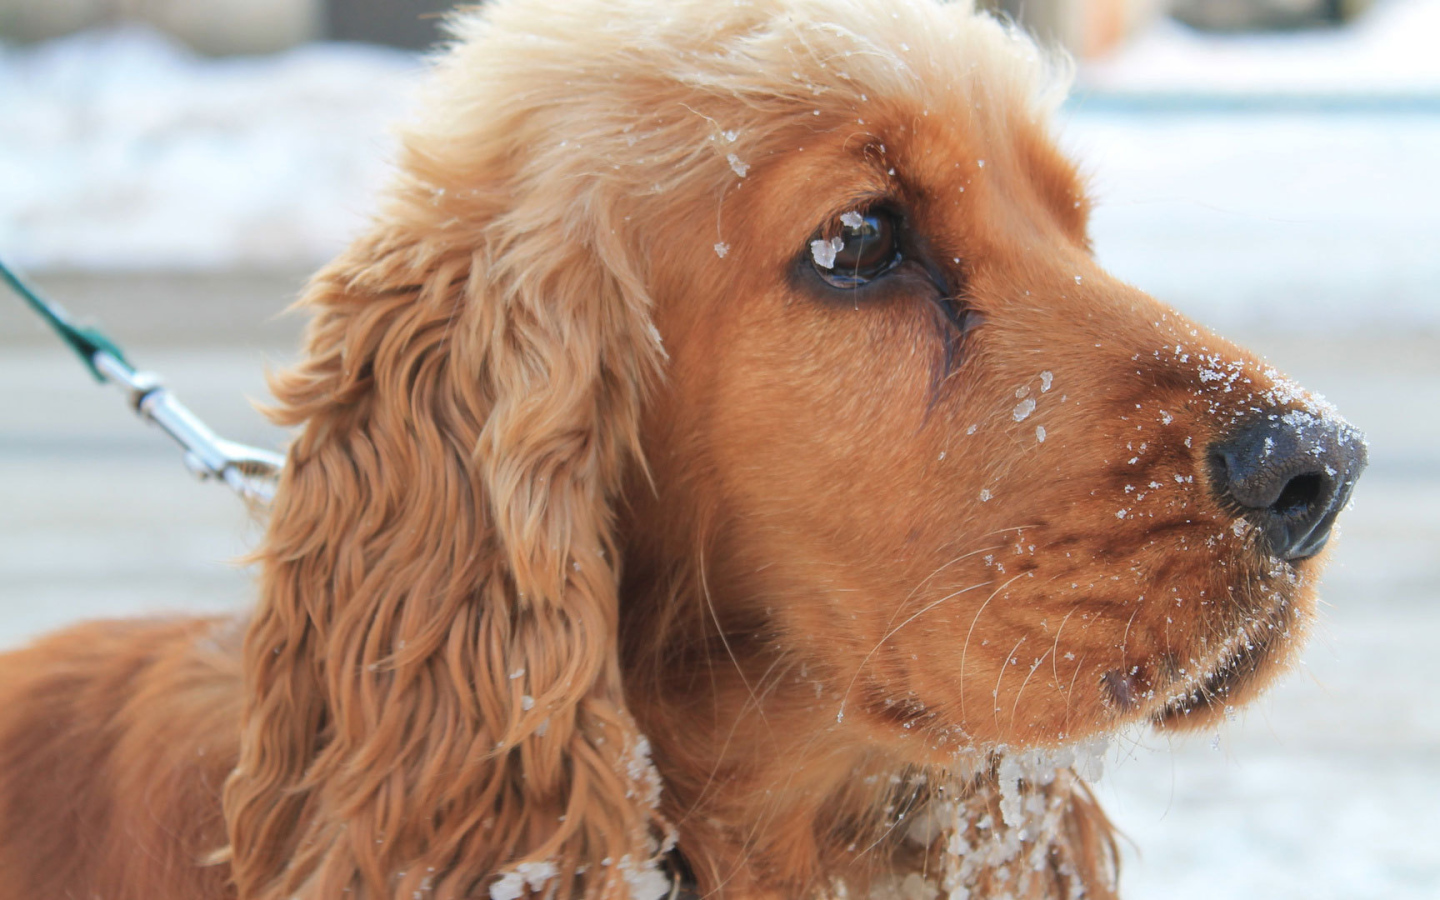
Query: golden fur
<point x="584" y="454"/>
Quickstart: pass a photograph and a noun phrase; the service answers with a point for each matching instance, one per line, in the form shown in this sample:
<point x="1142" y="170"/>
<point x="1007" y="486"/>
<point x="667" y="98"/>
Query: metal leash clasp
<point x="249" y="471"/>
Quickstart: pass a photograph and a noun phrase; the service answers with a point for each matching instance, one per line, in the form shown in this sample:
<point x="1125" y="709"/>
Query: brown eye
<point x="863" y="250"/>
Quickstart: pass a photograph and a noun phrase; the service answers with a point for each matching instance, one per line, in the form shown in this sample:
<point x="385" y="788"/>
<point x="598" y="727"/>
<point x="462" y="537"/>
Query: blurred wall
<point x="400" y="23"/>
<point x="1085" y="27"/>
<point x="210" y="26"/>
<point x="237" y="26"/>
<point x="1250" y="15"/>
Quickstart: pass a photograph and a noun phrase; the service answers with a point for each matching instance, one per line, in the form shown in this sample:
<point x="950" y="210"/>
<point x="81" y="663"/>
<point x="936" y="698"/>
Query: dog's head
<point x="984" y="492"/>
<point x="801" y="292"/>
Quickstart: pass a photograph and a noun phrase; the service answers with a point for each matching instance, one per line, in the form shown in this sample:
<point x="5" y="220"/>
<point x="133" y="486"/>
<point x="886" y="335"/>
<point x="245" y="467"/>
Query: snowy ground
<point x="1312" y="235"/>
<point x="121" y="150"/>
<point x="1388" y="52"/>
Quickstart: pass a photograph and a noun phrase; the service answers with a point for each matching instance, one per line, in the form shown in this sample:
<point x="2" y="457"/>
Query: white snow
<point x="1388" y="50"/>
<point x="1272" y="218"/>
<point x="644" y="779"/>
<point x="526" y="875"/>
<point x="122" y="150"/>
<point x="1017" y="846"/>
<point x="1039" y="766"/>
<point x="1280" y="220"/>
<point x="645" y="880"/>
<point x="824" y="251"/>
<point x="509" y="886"/>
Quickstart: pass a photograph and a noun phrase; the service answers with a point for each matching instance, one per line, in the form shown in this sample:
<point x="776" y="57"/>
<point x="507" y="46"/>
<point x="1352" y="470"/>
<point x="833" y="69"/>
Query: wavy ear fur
<point x="433" y="693"/>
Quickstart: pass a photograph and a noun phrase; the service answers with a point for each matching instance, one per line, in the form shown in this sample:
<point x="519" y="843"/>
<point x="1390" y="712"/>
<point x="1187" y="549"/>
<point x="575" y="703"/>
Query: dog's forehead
<point x="967" y="105"/>
<point x="692" y="100"/>
<point x="936" y="156"/>
<point x="967" y="181"/>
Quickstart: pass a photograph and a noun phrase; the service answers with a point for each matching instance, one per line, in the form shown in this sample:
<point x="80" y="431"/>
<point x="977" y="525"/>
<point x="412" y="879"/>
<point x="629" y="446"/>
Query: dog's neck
<point x="863" y="826"/>
<point x="760" y="779"/>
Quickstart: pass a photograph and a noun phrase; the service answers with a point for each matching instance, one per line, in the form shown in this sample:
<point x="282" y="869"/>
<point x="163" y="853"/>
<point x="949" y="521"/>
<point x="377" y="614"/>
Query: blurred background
<point x="1271" y="167"/>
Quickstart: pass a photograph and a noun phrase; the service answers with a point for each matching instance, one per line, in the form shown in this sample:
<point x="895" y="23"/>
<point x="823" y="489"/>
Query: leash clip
<point x="249" y="471"/>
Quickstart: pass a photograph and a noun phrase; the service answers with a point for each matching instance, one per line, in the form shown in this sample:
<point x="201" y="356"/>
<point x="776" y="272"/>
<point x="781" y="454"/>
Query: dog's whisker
<point x="1015" y="707"/>
<point x="933" y="573"/>
<point x="965" y="648"/>
<point x="724" y="640"/>
<point x="737" y="722"/>
<point x="840" y="714"/>
<point x="1055" y="645"/>
<point x="895" y="821"/>
<point x="1005" y="664"/>
<point x="1069" y="694"/>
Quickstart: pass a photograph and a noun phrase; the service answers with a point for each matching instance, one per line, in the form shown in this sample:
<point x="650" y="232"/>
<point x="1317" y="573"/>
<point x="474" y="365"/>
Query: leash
<point x="249" y="471"/>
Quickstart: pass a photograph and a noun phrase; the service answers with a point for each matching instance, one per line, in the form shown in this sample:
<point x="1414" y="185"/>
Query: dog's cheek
<point x="1110" y="565"/>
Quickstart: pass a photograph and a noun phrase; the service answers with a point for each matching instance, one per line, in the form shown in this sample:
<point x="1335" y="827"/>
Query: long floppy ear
<point x="433" y="691"/>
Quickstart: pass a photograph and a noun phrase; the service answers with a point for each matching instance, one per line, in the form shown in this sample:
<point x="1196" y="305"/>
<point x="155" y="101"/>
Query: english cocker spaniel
<point x="722" y="469"/>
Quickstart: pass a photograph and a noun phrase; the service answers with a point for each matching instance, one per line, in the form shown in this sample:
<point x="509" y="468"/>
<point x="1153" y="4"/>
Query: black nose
<point x="1290" y="473"/>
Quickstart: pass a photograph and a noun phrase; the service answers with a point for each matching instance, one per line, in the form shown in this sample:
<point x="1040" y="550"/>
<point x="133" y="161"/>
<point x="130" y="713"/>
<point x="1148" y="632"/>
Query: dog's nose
<point x="1290" y="472"/>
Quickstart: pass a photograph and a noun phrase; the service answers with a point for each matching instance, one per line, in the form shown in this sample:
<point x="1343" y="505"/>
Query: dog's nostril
<point x="1300" y="495"/>
<point x="1289" y="474"/>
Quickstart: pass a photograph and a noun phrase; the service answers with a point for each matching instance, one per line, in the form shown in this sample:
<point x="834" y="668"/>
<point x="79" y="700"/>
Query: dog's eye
<point x="864" y="249"/>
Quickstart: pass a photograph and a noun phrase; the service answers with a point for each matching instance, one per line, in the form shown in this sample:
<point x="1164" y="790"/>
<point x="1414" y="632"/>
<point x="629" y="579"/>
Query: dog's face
<point x="975" y="489"/>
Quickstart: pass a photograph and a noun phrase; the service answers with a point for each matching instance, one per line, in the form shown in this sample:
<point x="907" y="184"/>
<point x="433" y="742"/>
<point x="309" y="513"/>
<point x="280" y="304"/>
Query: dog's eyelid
<point x="864" y="201"/>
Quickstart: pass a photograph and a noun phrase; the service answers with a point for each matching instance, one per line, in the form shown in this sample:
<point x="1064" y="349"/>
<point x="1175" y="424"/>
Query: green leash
<point x="250" y="471"/>
<point x="86" y="342"/>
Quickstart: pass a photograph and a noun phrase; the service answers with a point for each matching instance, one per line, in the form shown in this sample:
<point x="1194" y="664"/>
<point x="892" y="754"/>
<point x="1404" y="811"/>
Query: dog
<point x="722" y="469"/>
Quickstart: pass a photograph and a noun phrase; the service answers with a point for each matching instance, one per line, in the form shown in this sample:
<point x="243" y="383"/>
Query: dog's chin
<point x="1246" y="662"/>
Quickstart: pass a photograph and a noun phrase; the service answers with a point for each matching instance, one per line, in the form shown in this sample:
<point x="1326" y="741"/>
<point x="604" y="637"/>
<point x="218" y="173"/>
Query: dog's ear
<point x="433" y="694"/>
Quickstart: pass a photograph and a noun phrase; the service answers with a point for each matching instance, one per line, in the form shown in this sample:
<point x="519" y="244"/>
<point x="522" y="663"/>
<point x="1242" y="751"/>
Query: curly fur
<point x="817" y="551"/>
